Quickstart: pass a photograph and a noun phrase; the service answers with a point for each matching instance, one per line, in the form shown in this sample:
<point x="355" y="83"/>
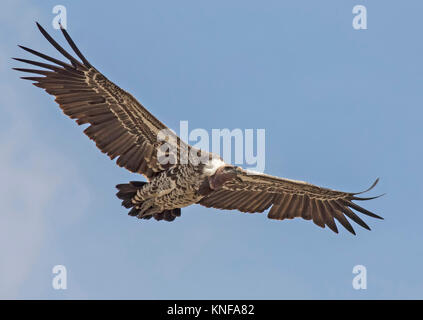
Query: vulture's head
<point x="222" y="175"/>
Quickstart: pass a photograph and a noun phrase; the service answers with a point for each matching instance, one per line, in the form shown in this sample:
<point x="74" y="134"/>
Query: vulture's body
<point x="122" y="128"/>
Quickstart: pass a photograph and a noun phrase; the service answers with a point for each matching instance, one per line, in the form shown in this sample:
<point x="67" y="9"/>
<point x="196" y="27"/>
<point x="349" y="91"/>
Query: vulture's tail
<point x="127" y="192"/>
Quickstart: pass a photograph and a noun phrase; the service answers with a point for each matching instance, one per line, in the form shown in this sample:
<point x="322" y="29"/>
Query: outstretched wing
<point x="289" y="199"/>
<point x="119" y="124"/>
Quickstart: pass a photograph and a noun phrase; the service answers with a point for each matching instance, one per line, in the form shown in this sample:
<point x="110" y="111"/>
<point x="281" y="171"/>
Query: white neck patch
<point x="211" y="166"/>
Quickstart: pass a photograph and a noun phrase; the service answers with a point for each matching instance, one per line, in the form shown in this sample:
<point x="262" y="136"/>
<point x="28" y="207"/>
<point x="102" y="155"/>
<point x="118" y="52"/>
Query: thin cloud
<point x="30" y="180"/>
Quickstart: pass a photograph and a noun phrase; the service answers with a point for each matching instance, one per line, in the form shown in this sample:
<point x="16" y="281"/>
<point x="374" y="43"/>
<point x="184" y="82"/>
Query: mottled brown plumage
<point x="122" y="128"/>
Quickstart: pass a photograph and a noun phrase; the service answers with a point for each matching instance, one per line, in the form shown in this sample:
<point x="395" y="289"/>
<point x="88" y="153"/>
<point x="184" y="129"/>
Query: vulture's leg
<point x="144" y="207"/>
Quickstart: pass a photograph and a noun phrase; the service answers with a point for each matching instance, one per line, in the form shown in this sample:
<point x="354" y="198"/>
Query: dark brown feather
<point x="87" y="96"/>
<point x="288" y="199"/>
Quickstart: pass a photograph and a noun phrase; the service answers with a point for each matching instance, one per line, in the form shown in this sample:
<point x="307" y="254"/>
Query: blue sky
<point x="340" y="108"/>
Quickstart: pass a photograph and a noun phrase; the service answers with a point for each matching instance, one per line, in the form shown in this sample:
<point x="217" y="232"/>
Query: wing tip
<point x="370" y="188"/>
<point x="368" y="198"/>
<point x="39" y="26"/>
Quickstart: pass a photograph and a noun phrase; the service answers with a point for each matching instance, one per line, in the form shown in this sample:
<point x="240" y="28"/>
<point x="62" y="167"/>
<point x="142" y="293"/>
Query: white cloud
<point x="31" y="173"/>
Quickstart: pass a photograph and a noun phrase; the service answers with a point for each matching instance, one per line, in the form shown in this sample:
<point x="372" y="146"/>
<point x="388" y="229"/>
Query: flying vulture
<point x="124" y="129"/>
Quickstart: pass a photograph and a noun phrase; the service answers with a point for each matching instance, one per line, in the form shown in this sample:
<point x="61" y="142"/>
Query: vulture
<point x="124" y="129"/>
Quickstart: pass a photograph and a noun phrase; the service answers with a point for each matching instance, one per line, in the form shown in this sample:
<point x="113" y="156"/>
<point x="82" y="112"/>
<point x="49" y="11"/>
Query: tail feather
<point x="168" y="215"/>
<point x="128" y="190"/>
